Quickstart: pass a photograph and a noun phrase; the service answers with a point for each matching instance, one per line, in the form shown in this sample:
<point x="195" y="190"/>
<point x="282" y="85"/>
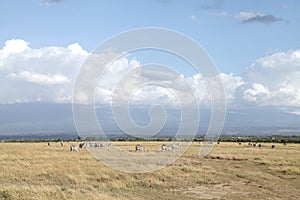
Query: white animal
<point x="140" y="148"/>
<point x="170" y="147"/>
<point x="74" y="148"/>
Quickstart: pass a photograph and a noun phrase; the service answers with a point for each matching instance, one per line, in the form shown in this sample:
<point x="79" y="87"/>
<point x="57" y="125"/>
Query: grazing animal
<point x="140" y="148"/>
<point x="259" y="145"/>
<point x="92" y="144"/>
<point x="81" y="145"/>
<point x="273" y="146"/>
<point x="74" y="148"/>
<point x="49" y="144"/>
<point x="164" y="147"/>
<point x="62" y="143"/>
<point x="99" y="145"/>
<point x="170" y="147"/>
<point x="240" y="143"/>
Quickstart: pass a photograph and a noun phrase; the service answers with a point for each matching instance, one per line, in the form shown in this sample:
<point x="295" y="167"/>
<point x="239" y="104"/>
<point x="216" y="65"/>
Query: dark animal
<point x="81" y="145"/>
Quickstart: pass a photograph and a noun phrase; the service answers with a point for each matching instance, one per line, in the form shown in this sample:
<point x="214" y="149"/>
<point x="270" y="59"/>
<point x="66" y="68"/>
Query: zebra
<point x="165" y="147"/>
<point x="140" y="148"/>
<point x="74" y="148"/>
<point x="170" y="147"/>
<point x="99" y="145"/>
<point x="81" y="145"/>
<point x="95" y="145"/>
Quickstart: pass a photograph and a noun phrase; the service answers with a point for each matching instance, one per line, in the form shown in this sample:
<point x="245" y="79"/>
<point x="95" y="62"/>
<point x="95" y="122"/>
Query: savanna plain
<point x="230" y="171"/>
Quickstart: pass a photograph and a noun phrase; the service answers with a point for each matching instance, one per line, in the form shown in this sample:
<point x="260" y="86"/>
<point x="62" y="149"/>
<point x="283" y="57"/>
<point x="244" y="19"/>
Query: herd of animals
<point x="138" y="147"/>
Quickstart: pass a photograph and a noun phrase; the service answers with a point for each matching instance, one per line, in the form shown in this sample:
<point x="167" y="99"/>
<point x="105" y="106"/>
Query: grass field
<point x="231" y="171"/>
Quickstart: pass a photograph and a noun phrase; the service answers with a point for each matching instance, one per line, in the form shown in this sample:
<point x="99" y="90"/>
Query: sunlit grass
<point x="231" y="171"/>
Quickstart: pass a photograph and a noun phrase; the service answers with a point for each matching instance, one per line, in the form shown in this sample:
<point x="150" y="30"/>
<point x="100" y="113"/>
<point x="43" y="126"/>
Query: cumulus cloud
<point x="77" y="49"/>
<point x="46" y="74"/>
<point x="251" y="17"/>
<point x="171" y="89"/>
<point x="15" y="46"/>
<point x="142" y="85"/>
<point x="274" y="80"/>
<point x="230" y="82"/>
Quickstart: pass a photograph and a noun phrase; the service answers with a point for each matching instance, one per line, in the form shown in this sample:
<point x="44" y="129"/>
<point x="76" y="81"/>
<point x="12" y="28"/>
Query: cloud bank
<point x="48" y="74"/>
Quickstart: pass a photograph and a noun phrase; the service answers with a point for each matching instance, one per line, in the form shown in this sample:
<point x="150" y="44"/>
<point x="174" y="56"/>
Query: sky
<point x="220" y="26"/>
<point x="254" y="44"/>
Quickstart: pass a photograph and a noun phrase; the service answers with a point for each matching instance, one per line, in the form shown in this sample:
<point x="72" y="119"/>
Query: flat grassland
<point x="231" y="171"/>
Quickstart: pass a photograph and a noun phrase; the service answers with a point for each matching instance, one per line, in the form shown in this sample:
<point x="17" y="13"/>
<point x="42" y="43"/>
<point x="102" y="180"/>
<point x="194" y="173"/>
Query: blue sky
<point x="231" y="44"/>
<point x="255" y="45"/>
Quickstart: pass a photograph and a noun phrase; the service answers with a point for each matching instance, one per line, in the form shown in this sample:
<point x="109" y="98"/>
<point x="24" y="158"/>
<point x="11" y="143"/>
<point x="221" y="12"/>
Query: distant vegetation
<point x="264" y="139"/>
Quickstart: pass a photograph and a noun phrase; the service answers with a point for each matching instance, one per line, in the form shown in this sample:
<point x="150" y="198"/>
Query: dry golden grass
<point x="231" y="171"/>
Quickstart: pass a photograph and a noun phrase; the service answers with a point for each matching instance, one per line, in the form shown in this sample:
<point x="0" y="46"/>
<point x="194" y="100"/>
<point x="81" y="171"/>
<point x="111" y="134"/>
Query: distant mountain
<point x="52" y="119"/>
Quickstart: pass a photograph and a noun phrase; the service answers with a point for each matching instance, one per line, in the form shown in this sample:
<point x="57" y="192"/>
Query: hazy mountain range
<point x="40" y="119"/>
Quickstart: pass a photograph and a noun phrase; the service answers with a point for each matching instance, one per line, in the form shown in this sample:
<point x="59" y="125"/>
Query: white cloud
<point x="231" y="84"/>
<point x="77" y="49"/>
<point x="142" y="86"/>
<point x="112" y="76"/>
<point x="40" y="78"/>
<point x="246" y="15"/>
<point x="274" y="80"/>
<point x="46" y="74"/>
<point x="281" y="60"/>
<point x="15" y="46"/>
<point x="256" y="92"/>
